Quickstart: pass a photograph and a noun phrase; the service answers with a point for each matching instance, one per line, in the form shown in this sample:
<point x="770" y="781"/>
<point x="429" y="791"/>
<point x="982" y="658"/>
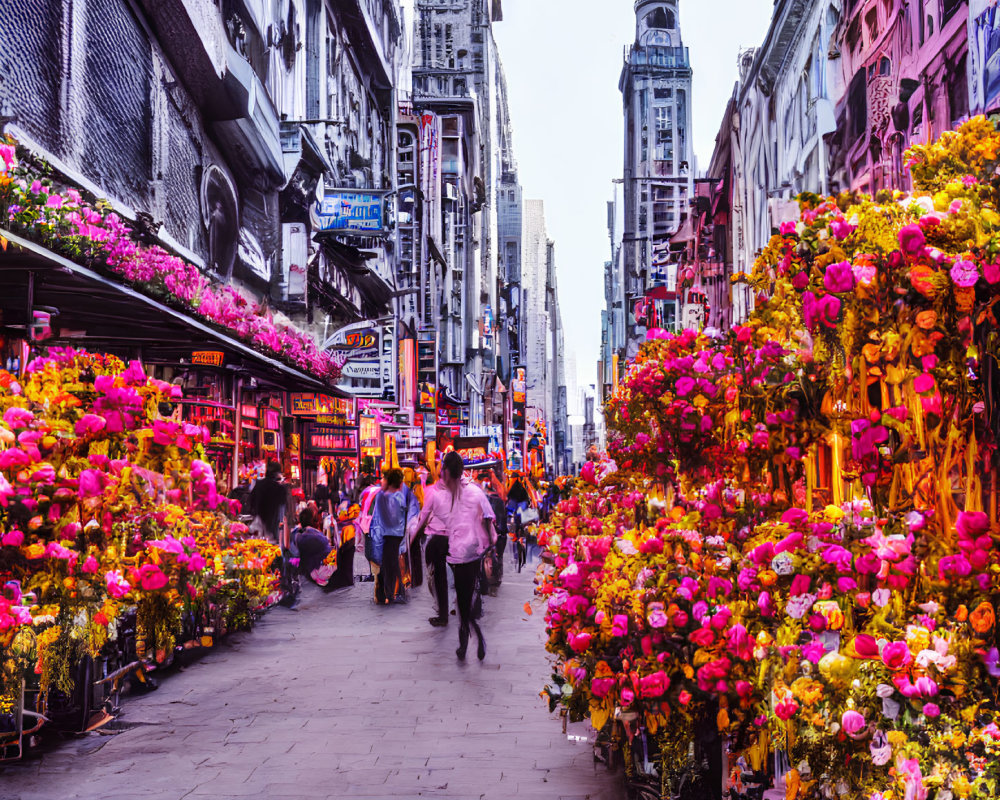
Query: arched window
<point x="662" y="18"/>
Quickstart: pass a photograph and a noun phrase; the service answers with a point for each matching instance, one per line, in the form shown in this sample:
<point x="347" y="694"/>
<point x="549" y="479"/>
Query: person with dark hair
<point x="268" y="500"/>
<point x="392" y="508"/>
<point x="436" y="555"/>
<point x="312" y="545"/>
<point x="466" y="514"/>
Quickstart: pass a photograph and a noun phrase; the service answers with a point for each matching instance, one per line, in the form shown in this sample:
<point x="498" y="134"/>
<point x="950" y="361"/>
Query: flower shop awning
<point x="97" y="312"/>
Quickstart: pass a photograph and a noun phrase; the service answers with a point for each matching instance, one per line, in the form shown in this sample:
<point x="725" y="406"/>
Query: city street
<point x="340" y="699"/>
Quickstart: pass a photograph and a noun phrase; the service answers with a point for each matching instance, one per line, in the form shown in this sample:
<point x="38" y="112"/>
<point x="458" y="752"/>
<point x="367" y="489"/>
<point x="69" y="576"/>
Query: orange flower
<point x="926" y="320"/>
<point x="961" y="613"/>
<point x="921" y="277"/>
<point x="983" y="618"/>
<point x="768" y="577"/>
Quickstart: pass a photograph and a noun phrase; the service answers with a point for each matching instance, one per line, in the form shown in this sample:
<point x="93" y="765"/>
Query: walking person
<point x="435" y="553"/>
<point x="392" y="507"/>
<point x="468" y="517"/>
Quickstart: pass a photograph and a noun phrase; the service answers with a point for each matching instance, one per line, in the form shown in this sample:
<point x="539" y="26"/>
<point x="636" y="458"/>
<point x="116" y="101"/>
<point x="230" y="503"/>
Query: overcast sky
<point x="563" y="59"/>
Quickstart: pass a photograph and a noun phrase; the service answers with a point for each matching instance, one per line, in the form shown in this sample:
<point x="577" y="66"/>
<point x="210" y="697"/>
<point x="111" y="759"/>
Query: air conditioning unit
<point x="450" y="191"/>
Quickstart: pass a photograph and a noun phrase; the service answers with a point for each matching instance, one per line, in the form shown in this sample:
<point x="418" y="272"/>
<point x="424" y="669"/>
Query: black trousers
<point x="436" y="553"/>
<point x="466" y="584"/>
<point x="392" y="579"/>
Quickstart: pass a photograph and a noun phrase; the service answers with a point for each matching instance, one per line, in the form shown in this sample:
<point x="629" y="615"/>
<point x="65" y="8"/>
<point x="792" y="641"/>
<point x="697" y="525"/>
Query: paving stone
<point x="340" y="699"/>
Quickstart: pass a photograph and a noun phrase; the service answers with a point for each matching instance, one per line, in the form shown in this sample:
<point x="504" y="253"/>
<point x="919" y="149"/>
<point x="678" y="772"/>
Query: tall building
<point x="545" y="372"/>
<point x="659" y="163"/>
<point x="460" y="101"/>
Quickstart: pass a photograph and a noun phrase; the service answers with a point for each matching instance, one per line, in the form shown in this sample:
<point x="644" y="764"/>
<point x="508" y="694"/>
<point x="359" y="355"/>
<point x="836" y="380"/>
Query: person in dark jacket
<point x="268" y="500"/>
<point x="312" y="545"/>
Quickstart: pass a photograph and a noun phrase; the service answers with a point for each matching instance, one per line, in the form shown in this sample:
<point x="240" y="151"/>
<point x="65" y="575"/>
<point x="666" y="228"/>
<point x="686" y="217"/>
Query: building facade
<point x="659" y="163"/>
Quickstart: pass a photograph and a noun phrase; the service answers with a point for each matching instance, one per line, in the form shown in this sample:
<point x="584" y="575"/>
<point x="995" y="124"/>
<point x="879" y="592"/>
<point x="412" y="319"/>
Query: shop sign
<point x="427" y="375"/>
<point x="207" y="358"/>
<point x="332" y="438"/>
<point x="357" y="341"/>
<point x="369" y="432"/>
<point x="368" y="370"/>
<point x="347" y="211"/>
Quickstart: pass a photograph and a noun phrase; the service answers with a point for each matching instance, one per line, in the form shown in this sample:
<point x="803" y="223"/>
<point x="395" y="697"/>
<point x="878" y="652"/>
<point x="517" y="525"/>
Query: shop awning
<point x="97" y="313"/>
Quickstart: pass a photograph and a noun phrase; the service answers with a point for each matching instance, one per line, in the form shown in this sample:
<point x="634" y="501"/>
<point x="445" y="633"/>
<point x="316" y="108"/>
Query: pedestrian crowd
<point x="407" y="521"/>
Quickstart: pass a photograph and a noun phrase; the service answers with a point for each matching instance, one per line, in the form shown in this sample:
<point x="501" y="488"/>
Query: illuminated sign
<point x="207" y="358"/>
<point x="347" y="211"/>
<point x="332" y="438"/>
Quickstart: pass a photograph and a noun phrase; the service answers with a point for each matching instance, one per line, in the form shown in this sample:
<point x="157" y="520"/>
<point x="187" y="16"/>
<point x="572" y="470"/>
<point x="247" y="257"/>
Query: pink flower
<point x="841" y="228"/>
<point x="152" y="578"/>
<point x="619" y="625"/>
<point x="839" y="277"/>
<point x="654" y="685"/>
<point x="14" y="538"/>
<point x="788" y="228"/>
<point x="600" y="687"/>
<point x="852" y="722"/>
<point x="91" y="483"/>
<point x="972" y="524"/>
<point x="785" y="708"/>
<point x="932" y="710"/>
<point x="911" y="240"/>
<point x="17" y="418"/>
<point x="89" y="424"/>
<point x="702" y="637"/>
<point x="964" y="273"/>
<point x="579" y="642"/>
<point x="54" y="201"/>
<point x="118" y="587"/>
<point x="923" y="383"/>
<point x="7" y="153"/>
<point x="90" y="565"/>
<point x="896" y="655"/>
<point x="684" y="386"/>
<point x="656" y="616"/>
<point x="864" y="273"/>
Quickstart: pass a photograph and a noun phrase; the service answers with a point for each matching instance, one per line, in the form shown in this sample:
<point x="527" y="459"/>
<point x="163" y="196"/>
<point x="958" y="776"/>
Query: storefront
<point x="330" y="449"/>
<point x="241" y="394"/>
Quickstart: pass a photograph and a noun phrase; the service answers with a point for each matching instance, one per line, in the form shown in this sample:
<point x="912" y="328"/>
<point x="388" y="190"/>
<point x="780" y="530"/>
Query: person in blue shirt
<point x="394" y="506"/>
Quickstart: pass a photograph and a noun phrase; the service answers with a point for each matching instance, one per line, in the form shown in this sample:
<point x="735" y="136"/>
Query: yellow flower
<point x="833" y="513"/>
<point x="897" y="738"/>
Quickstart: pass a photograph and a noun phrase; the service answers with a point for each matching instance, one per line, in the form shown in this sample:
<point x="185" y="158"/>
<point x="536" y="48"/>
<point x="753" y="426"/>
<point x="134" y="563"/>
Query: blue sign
<point x="360" y="213"/>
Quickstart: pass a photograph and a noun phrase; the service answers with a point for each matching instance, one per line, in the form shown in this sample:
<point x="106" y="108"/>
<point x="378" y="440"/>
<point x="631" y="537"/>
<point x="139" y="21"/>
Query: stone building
<point x="659" y="162"/>
<point x="904" y="77"/>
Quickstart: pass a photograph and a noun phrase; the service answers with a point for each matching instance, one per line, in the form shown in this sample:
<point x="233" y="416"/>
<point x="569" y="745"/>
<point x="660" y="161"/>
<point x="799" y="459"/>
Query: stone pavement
<point x="340" y="699"/>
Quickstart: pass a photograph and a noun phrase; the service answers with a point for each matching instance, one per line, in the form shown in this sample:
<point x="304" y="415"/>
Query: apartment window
<point x="921" y="21"/>
<point x="871" y="24"/>
<point x="884" y="67"/>
<point x="857" y="104"/>
<point x="958" y="92"/>
<point x="918" y="118"/>
<point x="662" y="94"/>
<point x="663" y="118"/>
